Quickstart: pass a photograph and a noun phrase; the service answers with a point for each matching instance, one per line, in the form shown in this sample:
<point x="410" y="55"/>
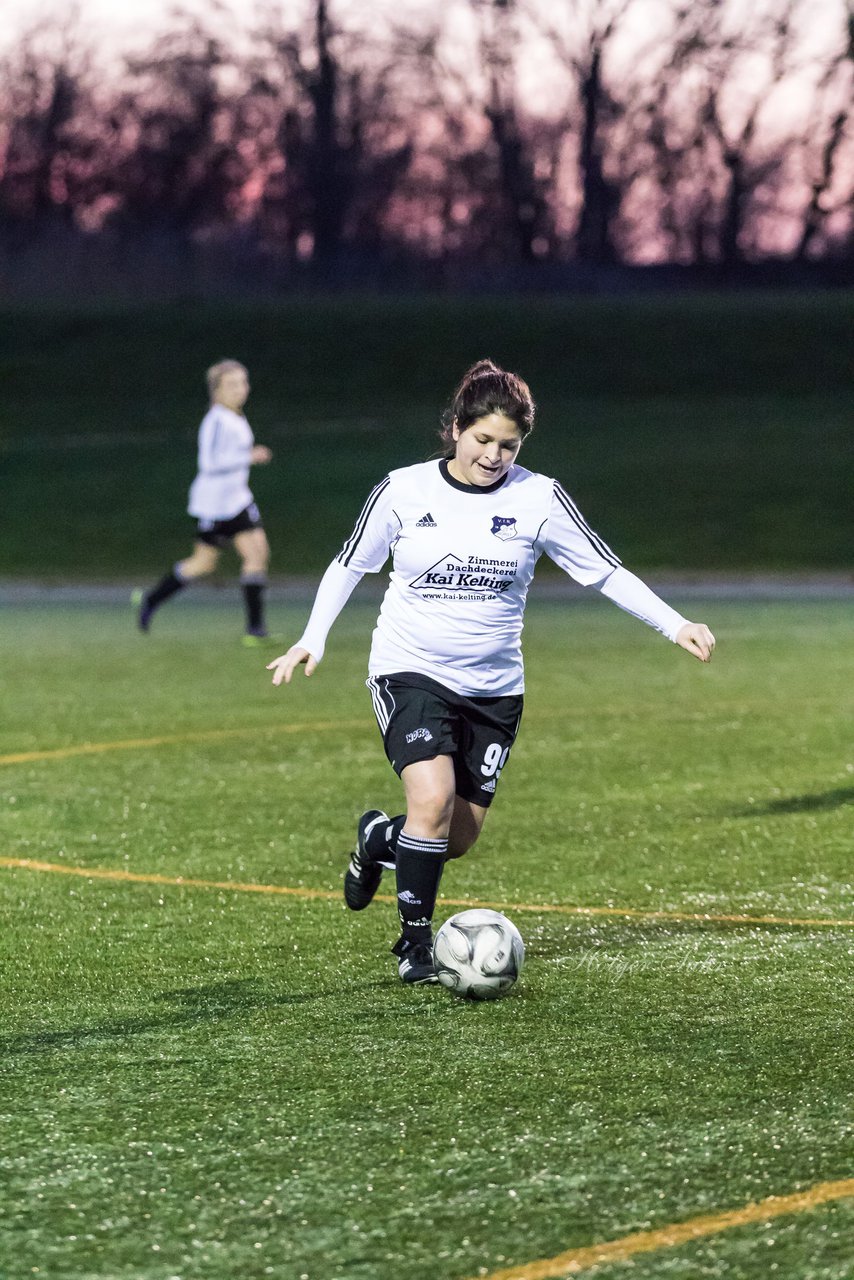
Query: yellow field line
<point x="201" y="735"/>
<point x="150" y="877"/>
<point x="574" y="1261"/>
<point x="197" y="735"/>
<point x="537" y="908"/>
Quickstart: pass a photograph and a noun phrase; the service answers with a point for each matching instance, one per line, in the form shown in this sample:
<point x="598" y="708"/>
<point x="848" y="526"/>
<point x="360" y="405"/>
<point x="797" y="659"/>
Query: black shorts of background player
<point x="226" y="452"/>
<point x="449" y="633"/>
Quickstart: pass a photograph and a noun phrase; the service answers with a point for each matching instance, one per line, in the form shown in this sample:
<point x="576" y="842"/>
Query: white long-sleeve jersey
<point x="221" y="488"/>
<point x="462" y="560"/>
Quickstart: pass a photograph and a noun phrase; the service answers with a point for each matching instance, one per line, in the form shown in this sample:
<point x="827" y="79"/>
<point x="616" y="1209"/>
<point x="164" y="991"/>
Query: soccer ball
<point x="479" y="954"/>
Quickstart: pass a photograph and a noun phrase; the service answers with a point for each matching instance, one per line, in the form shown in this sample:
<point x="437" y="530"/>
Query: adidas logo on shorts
<point x="426" y="522"/>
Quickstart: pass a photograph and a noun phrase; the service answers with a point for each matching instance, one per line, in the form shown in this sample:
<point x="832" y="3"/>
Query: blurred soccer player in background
<point x="222" y="503"/>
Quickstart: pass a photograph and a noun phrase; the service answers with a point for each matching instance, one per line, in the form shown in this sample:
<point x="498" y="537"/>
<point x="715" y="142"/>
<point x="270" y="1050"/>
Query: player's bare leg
<point x="466" y="825"/>
<point x="430" y="787"/>
<point x="202" y="560"/>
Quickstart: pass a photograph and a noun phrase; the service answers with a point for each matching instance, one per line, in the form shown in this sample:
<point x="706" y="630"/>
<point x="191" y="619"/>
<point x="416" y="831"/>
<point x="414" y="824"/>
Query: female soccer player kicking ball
<point x="445" y="669"/>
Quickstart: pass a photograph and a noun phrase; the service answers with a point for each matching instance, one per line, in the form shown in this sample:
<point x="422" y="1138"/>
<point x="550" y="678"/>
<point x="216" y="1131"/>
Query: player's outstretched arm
<point x="697" y="639"/>
<point x="285" y="666"/>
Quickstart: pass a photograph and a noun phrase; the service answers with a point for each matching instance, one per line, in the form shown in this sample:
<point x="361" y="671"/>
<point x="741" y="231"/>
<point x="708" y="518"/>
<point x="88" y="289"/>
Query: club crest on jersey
<point x="504" y="527"/>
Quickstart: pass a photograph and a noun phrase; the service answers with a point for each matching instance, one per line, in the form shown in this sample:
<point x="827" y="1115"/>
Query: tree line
<point x="492" y="135"/>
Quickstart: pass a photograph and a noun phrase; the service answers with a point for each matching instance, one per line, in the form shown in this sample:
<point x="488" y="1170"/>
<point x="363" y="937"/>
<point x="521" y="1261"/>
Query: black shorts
<point x="420" y="719"/>
<point x="216" y="533"/>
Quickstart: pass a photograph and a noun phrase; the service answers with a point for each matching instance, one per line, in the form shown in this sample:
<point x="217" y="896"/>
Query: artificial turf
<point x="211" y="1083"/>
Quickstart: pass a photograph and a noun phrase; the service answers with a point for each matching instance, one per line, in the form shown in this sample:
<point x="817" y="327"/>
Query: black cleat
<point x="415" y="961"/>
<point x="145" y="611"/>
<point x="362" y="877"/>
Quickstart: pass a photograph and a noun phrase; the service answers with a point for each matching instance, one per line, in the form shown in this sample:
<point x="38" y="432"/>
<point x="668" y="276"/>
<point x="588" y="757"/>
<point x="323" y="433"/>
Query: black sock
<point x="382" y="840"/>
<point x="166" y="587"/>
<point x="253" y="597"/>
<point x="419" y="870"/>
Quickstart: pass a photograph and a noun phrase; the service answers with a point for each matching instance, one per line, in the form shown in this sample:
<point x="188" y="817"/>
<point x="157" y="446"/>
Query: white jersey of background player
<point x="445" y="669"/>
<point x="220" y="490"/>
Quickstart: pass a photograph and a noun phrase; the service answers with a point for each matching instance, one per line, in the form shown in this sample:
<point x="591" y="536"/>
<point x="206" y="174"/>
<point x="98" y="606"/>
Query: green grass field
<point x="696" y="432"/>
<point x="204" y="1083"/>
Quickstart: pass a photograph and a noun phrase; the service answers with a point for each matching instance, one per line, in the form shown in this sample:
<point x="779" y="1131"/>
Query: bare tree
<point x="829" y="135"/>
<point x="522" y="184"/>
<point x="716" y="146"/>
<point x="582" y="34"/>
<point x="181" y="166"/>
<point x="425" y="143"/>
<point x="46" y="79"/>
<point x="342" y="143"/>
<point x="484" y="161"/>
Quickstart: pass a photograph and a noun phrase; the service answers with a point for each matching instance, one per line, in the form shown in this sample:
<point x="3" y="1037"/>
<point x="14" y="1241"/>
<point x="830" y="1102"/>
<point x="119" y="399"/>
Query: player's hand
<point x="283" y="668"/>
<point x="697" y="639"/>
<point x="261" y="453"/>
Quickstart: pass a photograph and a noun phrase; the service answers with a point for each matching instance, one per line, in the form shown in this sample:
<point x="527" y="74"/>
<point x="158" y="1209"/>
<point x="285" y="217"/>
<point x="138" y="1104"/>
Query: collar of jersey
<point x="469" y="488"/>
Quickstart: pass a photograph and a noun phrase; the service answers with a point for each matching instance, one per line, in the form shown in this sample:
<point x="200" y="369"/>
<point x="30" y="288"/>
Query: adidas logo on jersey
<point x="426" y="522"/>
<point x="488" y="786"/>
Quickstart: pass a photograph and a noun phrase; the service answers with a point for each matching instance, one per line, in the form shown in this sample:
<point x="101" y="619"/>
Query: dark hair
<point x="486" y="389"/>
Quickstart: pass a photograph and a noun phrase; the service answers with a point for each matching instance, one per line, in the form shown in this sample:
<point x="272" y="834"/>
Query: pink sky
<point x="116" y="29"/>
<point x="128" y="25"/>
<point x="120" y="28"/>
